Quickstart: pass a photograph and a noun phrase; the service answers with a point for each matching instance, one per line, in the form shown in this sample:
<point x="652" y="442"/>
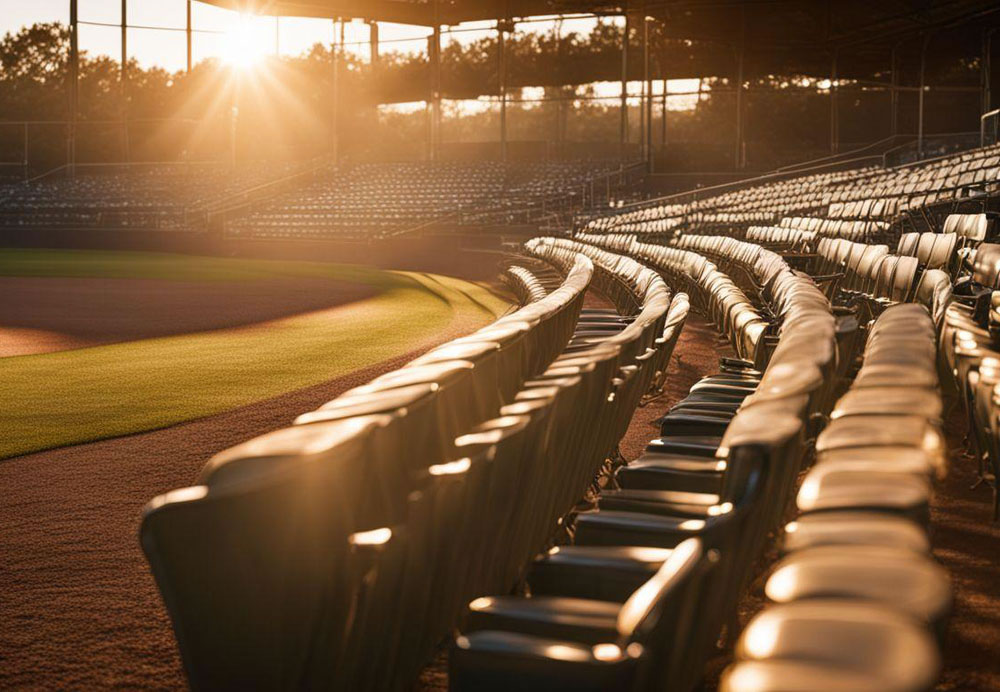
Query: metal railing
<point x="995" y="116"/>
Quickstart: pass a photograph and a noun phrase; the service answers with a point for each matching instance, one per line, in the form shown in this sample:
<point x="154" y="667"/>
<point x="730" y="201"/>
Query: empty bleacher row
<point x="861" y="204"/>
<point x="371" y="199"/>
<point x="857" y="602"/>
<point x="655" y="571"/>
<point x="160" y="197"/>
<point x="631" y="589"/>
<point x="637" y="589"/>
<point x="359" y="201"/>
<point x="338" y="551"/>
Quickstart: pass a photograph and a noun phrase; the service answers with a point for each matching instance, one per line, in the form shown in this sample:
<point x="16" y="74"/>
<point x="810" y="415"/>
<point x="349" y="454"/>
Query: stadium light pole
<point x="188" y="32"/>
<point x="74" y="85"/>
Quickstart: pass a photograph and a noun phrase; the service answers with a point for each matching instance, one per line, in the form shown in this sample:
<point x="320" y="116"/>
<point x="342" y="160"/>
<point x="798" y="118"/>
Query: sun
<point x="242" y="46"/>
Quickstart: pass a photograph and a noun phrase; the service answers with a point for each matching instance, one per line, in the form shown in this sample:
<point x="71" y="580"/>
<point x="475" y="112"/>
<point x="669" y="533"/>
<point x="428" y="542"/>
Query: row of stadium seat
<point x="857" y="601"/>
<point x="161" y="197"/>
<point x="860" y="204"/>
<point x="524" y="284"/>
<point x="875" y="460"/>
<point x="782" y="239"/>
<point x="637" y="602"/>
<point x="370" y="522"/>
<point x="713" y="292"/>
<point x="380" y="198"/>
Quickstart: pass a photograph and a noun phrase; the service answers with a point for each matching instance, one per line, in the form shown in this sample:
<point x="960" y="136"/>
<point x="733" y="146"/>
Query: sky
<point x="225" y="34"/>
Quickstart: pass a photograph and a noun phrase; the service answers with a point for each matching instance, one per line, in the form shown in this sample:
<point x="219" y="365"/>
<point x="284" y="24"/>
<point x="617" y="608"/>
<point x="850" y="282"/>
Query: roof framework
<point x="781" y="36"/>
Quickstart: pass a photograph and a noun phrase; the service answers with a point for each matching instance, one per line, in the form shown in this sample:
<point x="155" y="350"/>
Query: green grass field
<point x="58" y="399"/>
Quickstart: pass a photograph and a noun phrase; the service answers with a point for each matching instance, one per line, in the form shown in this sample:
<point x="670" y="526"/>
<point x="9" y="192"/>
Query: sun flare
<point x="243" y="47"/>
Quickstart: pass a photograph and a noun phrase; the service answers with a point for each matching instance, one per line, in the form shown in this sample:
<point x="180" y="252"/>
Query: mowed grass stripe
<point x="58" y="399"/>
<point x="171" y="267"/>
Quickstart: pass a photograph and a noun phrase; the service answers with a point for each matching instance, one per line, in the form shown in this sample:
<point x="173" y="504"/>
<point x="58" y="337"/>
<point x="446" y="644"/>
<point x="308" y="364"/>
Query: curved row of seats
<point x="860" y="204"/>
<point x="870" y="277"/>
<point x="858" y="231"/>
<point x="338" y="551"/>
<point x="160" y="196"/>
<point x="857" y="572"/>
<point x="379" y="198"/>
<point x="655" y="571"/>
<point x="636" y="291"/>
<point x="856" y="602"/>
<point x="713" y="292"/>
<point x="264" y="564"/>
<point x="524" y="284"/>
<point x="782" y="239"/>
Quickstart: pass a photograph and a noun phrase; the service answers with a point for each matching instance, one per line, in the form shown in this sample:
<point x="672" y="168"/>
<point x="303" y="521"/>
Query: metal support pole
<point x="740" y="159"/>
<point x="894" y="91"/>
<point x="560" y="103"/>
<point x="920" y="102"/>
<point x="623" y="117"/>
<point x="663" y="120"/>
<point x="74" y="85"/>
<point x="502" y="75"/>
<point x="25" y="154"/>
<point x="986" y="70"/>
<point x="375" y="48"/>
<point x="434" y="50"/>
<point x="647" y="90"/>
<point x="124" y="82"/>
<point x="644" y="36"/>
<point x="335" y="107"/>
<point x="834" y="107"/>
<point x="188" y="31"/>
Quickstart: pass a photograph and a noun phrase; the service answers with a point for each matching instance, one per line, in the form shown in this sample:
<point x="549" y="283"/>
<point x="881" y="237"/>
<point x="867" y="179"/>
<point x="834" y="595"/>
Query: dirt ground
<point x="42" y="315"/>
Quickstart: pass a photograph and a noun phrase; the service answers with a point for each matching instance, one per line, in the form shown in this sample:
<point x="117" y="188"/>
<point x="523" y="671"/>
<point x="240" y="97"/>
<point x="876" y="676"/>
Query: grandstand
<point x="743" y="436"/>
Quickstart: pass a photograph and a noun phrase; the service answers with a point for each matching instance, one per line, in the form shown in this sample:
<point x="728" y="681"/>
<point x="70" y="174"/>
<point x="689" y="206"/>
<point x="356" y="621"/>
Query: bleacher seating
<point x="481" y="486"/>
<point x="860" y="204"/>
<point x="416" y="492"/>
<point x="144" y="197"/>
<point x="369" y="200"/>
